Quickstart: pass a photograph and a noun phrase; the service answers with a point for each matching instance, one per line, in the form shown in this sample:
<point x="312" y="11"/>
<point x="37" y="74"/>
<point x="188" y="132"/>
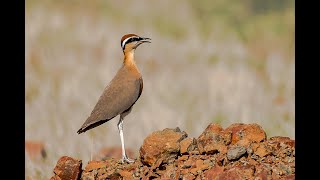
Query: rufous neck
<point x="129" y="58"/>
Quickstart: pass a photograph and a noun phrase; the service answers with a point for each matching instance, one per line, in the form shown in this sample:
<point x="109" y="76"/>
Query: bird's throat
<point x="129" y="59"/>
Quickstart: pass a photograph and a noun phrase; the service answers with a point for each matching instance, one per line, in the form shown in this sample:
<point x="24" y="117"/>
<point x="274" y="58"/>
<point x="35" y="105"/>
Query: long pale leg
<point x="124" y="155"/>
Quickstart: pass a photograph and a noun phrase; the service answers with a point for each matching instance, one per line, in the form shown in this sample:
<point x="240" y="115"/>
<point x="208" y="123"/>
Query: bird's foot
<point x="126" y="159"/>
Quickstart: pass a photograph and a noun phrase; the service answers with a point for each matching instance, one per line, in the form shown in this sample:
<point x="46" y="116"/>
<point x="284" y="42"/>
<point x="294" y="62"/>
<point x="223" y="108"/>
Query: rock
<point x="188" y="176"/>
<point x="199" y="166"/>
<point x="95" y="165"/>
<point x="236" y="152"/>
<point x="213" y="140"/>
<point x="35" y="150"/>
<point x="262" y="173"/>
<point x="125" y="174"/>
<point x="111" y="169"/>
<point x="170" y="172"/>
<point x="238" y="172"/>
<point x="55" y="177"/>
<point x="213" y="172"/>
<point x="289" y="177"/>
<point x="67" y="168"/>
<point x="282" y="147"/>
<point x="239" y="152"/>
<point x="263" y="150"/>
<point x="161" y="145"/>
<point x="112" y="152"/>
<point x="244" y="134"/>
<point x="284" y="140"/>
<point x="187" y="145"/>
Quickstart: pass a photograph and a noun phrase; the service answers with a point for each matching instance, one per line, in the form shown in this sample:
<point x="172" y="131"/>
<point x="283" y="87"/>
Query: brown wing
<point x="121" y="93"/>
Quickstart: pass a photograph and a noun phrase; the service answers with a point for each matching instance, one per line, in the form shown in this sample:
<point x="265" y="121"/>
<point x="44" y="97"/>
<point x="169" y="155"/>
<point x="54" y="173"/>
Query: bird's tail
<point x="81" y="130"/>
<point x="86" y="126"/>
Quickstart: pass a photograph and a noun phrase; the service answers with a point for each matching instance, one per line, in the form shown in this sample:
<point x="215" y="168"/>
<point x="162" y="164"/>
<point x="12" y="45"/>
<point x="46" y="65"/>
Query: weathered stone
<point x="289" y="177"/>
<point x="262" y="175"/>
<point x="284" y="140"/>
<point x="213" y="140"/>
<point x="112" y="152"/>
<point x="236" y="152"/>
<point x="238" y="172"/>
<point x="161" y="145"/>
<point x="126" y="174"/>
<point x="187" y="145"/>
<point x="213" y="172"/>
<point x="199" y="166"/>
<point x="68" y="168"/>
<point x="35" y="150"/>
<point x="170" y="172"/>
<point x="55" y="177"/>
<point x="252" y="162"/>
<point x="220" y="159"/>
<point x="229" y="174"/>
<point x="188" y="176"/>
<point x="282" y="147"/>
<point x="190" y="163"/>
<point x="244" y="134"/>
<point x="95" y="165"/>
<point x="263" y="150"/>
<point x="183" y="157"/>
<point x="90" y="175"/>
<point x="160" y="158"/>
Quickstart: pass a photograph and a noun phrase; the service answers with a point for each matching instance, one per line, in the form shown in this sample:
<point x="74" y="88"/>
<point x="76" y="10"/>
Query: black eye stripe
<point x="133" y="39"/>
<point x="130" y="40"/>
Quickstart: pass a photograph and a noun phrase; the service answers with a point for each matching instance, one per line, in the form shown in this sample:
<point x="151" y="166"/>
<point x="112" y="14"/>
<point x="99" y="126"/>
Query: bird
<point x="121" y="93"/>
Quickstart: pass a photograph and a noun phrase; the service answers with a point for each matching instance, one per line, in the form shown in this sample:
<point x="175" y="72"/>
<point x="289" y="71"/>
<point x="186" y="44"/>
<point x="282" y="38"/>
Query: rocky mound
<point x="241" y="151"/>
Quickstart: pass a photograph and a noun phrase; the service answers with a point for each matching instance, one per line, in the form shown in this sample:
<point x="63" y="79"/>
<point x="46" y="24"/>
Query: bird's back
<point x="119" y="95"/>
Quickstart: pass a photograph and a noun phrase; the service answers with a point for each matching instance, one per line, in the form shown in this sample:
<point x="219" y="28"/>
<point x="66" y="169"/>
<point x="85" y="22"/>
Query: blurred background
<point x="209" y="62"/>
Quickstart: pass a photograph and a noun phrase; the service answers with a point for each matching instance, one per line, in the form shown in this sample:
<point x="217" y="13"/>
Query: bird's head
<point x="130" y="42"/>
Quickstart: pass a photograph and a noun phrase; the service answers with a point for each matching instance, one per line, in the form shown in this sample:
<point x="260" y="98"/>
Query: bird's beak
<point x="144" y="40"/>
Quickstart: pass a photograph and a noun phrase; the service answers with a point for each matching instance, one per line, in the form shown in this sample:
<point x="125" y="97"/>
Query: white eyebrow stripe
<point x="124" y="41"/>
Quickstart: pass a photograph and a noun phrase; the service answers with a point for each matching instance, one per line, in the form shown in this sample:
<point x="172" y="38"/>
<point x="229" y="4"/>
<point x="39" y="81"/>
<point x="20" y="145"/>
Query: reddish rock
<point x="289" y="177"/>
<point x="112" y="152"/>
<point x="284" y="140"/>
<point x="95" y="165"/>
<point x="108" y="169"/>
<point x="161" y="145"/>
<point x="199" y="166"/>
<point x="253" y="162"/>
<point x="282" y="147"/>
<point x="169" y="172"/>
<point x="188" y="176"/>
<point x="213" y="140"/>
<point x="262" y="174"/>
<point x="183" y="157"/>
<point x="126" y="174"/>
<point x="186" y="164"/>
<point x="229" y="174"/>
<point x="263" y="150"/>
<point x="187" y="145"/>
<point x="35" y="150"/>
<point x="160" y="158"/>
<point x="213" y="172"/>
<point x="55" y="177"/>
<point x="67" y="168"/>
<point x="238" y="172"/>
<point x="244" y="134"/>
